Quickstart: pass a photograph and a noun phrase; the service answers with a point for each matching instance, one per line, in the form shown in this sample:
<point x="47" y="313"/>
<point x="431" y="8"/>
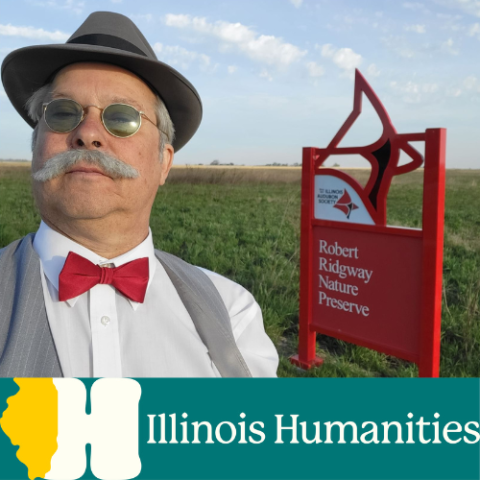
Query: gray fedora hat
<point x="108" y="38"/>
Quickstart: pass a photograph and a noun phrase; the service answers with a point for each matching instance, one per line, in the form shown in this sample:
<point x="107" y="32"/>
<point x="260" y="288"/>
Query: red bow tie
<point x="79" y="275"/>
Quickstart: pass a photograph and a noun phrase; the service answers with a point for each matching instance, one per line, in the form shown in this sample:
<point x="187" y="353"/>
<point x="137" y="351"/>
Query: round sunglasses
<point x="63" y="115"/>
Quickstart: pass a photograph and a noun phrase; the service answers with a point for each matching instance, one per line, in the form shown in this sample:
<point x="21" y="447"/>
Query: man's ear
<point x="167" y="162"/>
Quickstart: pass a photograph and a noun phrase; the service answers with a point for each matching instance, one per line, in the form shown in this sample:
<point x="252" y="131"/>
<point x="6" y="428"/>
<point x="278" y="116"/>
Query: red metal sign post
<point x="360" y="280"/>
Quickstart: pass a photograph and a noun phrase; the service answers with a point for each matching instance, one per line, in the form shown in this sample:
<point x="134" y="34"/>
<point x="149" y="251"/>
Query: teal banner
<point x="240" y="428"/>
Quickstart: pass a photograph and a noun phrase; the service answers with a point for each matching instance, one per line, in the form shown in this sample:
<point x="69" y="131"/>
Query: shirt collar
<point x="52" y="247"/>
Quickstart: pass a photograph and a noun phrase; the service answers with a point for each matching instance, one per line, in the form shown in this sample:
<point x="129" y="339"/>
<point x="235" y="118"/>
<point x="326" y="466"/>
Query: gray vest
<point x="27" y="348"/>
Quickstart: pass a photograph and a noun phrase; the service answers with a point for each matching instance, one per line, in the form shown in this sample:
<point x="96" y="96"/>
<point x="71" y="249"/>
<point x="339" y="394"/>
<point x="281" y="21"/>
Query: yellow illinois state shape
<point x="31" y="421"/>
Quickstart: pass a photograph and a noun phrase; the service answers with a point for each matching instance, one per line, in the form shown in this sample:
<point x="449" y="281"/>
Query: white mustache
<point x="64" y="161"/>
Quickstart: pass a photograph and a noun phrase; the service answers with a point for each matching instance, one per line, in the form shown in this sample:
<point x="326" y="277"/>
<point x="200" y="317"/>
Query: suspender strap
<point x="208" y="312"/>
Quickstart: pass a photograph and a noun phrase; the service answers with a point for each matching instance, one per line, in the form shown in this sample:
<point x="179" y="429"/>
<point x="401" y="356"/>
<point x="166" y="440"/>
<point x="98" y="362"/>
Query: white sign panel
<point x="337" y="201"/>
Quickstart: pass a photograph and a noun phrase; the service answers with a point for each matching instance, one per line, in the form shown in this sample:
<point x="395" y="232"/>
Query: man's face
<point x="83" y="193"/>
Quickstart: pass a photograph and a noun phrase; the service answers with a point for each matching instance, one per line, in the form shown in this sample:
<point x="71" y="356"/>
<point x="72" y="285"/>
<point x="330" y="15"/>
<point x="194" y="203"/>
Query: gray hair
<point x="43" y="94"/>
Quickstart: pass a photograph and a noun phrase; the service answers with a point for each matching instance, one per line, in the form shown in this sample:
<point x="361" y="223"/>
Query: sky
<point x="277" y="75"/>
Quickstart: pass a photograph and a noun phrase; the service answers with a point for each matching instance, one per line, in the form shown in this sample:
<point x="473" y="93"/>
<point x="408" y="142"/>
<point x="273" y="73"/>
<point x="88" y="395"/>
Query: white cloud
<point x="469" y="86"/>
<point x="399" y="46"/>
<point x="180" y="57"/>
<point x="35" y="33"/>
<point x="450" y="22"/>
<point x="412" y="92"/>
<point x="314" y="69"/>
<point x="454" y="27"/>
<point x="344" y="58"/>
<point x="471" y="83"/>
<point x="447" y="47"/>
<point x="296" y="3"/>
<point x="474" y="30"/>
<point x="454" y="92"/>
<point x="74" y="6"/>
<point x="415" y="6"/>
<point x="429" y="87"/>
<point x="373" y="71"/>
<point x="264" y="74"/>
<point x="327" y="50"/>
<point x="471" y="7"/>
<point x="182" y="21"/>
<point x="232" y="69"/>
<point x="142" y="17"/>
<point x="415" y="28"/>
<point x="448" y="16"/>
<point x="266" y="49"/>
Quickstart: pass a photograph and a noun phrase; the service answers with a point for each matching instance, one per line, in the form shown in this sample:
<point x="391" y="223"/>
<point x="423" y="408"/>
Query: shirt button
<point x="105" y="320"/>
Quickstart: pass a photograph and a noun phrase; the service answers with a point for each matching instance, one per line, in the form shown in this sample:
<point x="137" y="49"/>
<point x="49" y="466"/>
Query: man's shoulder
<point x="246" y="320"/>
<point x="241" y="306"/>
<point x="10" y="249"/>
<point x="236" y="298"/>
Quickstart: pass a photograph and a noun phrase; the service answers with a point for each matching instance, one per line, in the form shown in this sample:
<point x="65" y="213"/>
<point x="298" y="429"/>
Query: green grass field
<point x="244" y="224"/>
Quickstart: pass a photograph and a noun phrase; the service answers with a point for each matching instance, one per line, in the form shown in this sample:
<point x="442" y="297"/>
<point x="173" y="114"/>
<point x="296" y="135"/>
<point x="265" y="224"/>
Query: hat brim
<point x="27" y="69"/>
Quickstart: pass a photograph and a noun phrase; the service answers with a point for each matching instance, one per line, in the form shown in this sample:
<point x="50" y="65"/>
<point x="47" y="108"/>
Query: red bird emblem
<point x="383" y="155"/>
<point x="345" y="204"/>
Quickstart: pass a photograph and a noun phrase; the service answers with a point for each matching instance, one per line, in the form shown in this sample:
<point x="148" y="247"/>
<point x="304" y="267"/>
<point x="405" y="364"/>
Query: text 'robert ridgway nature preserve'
<point x="338" y="273"/>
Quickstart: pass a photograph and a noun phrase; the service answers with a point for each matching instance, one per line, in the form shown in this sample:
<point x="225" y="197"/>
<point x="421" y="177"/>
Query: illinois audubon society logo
<point x="46" y="418"/>
<point x="338" y="198"/>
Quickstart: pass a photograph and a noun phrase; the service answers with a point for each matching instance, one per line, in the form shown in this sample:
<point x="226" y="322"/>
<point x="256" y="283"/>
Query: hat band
<point x="103" y="40"/>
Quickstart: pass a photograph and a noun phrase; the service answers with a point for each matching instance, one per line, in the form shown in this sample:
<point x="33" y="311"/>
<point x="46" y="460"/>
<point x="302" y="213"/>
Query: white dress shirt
<point x="101" y="333"/>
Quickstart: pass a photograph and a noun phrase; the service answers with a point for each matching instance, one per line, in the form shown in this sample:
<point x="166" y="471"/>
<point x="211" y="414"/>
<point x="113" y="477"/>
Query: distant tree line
<point x="275" y="164"/>
<point x="217" y="162"/>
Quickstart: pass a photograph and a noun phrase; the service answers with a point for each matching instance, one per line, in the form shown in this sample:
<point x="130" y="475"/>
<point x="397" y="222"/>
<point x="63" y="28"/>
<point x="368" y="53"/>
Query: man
<point x="88" y="295"/>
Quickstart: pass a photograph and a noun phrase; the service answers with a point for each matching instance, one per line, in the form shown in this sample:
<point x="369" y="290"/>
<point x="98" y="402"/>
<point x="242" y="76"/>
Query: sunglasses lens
<point x="121" y="120"/>
<point x="63" y="115"/>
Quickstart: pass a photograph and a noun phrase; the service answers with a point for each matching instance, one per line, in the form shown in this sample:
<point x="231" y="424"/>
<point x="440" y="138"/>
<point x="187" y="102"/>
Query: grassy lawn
<point x="244" y="224"/>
